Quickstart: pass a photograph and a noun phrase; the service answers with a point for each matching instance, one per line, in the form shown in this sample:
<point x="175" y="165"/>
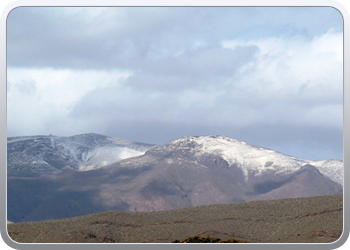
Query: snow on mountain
<point x="191" y="171"/>
<point x="42" y="155"/>
<point x="333" y="169"/>
<point x="94" y="151"/>
<point x="250" y="159"/>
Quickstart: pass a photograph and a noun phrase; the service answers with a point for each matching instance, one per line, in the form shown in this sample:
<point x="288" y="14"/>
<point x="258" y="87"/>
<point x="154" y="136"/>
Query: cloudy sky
<point x="272" y="77"/>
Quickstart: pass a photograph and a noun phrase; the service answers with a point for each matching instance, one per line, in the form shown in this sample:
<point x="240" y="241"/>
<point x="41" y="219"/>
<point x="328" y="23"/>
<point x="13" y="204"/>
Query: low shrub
<point x="198" y="239"/>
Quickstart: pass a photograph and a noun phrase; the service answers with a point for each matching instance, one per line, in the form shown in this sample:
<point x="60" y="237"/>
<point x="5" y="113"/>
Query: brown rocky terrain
<point x="301" y="220"/>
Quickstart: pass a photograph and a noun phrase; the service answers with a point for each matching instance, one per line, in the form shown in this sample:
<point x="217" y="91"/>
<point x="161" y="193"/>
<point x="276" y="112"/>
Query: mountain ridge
<point x="45" y="155"/>
<point x="187" y="172"/>
<point x="242" y="154"/>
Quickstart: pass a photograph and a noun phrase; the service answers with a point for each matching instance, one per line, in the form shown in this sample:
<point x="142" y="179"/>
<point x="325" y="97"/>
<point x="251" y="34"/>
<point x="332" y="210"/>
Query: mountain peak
<point x="252" y="160"/>
<point x="213" y="144"/>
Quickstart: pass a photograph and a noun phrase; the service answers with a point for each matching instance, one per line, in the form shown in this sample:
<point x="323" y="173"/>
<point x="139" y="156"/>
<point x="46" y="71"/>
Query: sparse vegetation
<point x="302" y="220"/>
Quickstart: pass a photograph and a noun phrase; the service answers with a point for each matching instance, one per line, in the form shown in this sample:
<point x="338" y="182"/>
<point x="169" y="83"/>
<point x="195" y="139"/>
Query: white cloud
<point x="304" y="77"/>
<point x="36" y="97"/>
<point x="290" y="81"/>
<point x="287" y="81"/>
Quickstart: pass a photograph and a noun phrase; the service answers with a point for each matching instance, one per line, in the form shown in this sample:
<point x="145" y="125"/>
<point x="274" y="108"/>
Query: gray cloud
<point x="125" y="37"/>
<point x="203" y="66"/>
<point x="269" y="76"/>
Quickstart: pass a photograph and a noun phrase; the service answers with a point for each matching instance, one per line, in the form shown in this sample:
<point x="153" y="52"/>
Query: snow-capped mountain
<point x="200" y="170"/>
<point x="191" y="171"/>
<point x="43" y="155"/>
<point x="252" y="160"/>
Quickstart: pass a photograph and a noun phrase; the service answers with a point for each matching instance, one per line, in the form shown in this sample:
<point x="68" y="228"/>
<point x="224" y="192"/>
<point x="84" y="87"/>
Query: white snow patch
<point x="104" y="156"/>
<point x="128" y="153"/>
<point x="256" y="160"/>
<point x="333" y="169"/>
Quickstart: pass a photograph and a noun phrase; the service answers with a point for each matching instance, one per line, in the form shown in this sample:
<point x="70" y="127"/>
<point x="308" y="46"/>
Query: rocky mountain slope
<point x="30" y="156"/>
<point x="188" y="172"/>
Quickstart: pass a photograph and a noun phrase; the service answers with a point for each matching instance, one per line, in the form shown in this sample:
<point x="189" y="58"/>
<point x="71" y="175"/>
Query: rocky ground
<point x="301" y="220"/>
